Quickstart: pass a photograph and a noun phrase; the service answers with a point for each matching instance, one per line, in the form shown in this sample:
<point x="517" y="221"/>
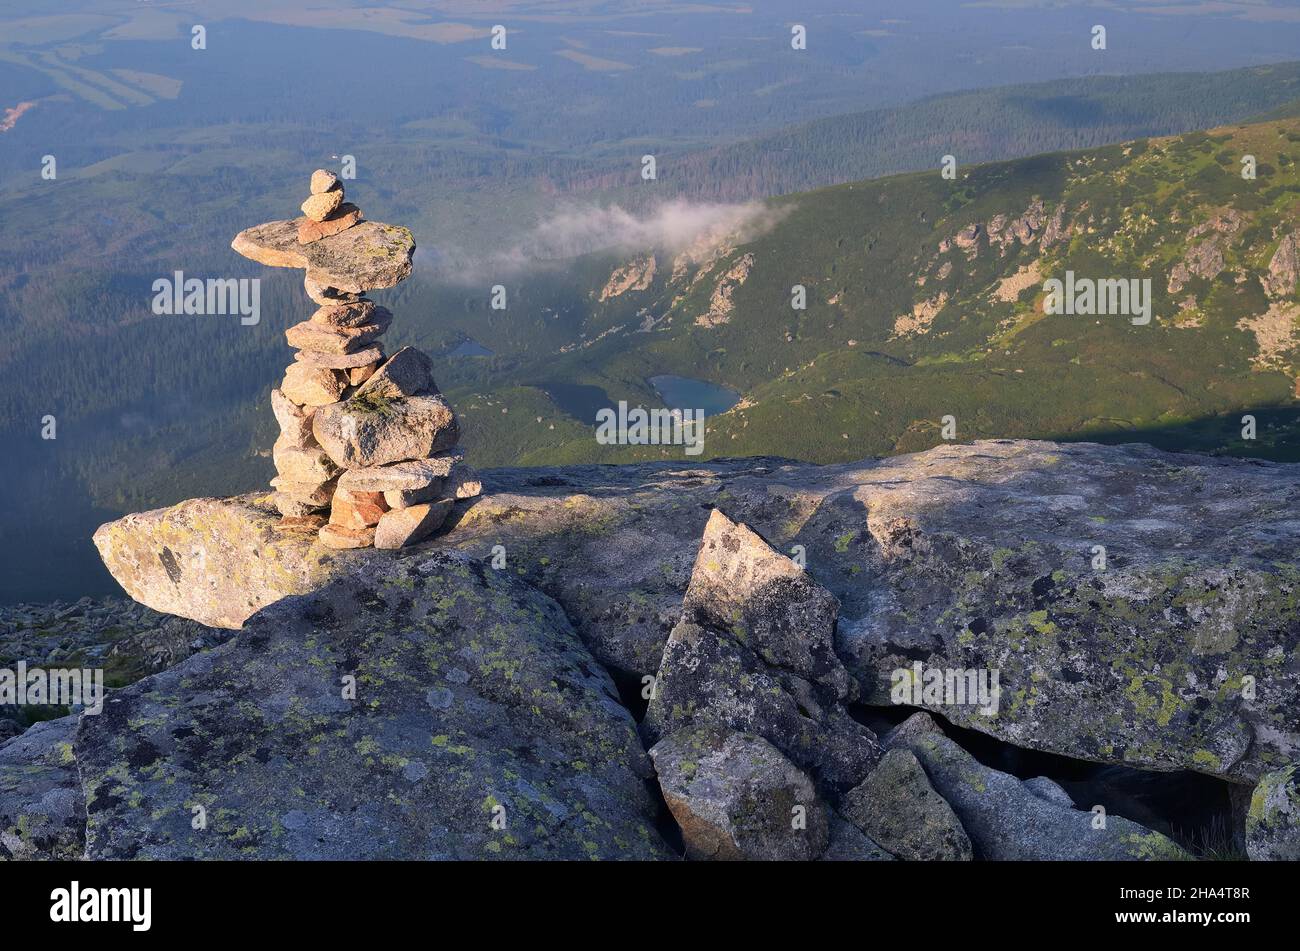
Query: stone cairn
<point x="367" y="447"/>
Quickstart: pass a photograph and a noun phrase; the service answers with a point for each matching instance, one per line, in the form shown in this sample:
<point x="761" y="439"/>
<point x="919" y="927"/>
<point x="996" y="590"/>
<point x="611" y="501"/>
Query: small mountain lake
<point x="583" y="401"/>
<point x="681" y="392"/>
<point x="470" y="348"/>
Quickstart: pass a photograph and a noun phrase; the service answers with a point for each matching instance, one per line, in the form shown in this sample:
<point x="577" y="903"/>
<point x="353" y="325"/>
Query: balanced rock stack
<point x="366" y="453"/>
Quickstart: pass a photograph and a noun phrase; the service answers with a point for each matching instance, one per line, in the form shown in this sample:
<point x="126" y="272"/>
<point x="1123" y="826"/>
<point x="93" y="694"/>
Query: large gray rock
<point x="898" y="808"/>
<point x="709" y="679"/>
<point x="1007" y="821"/>
<point x="370" y="430"/>
<point x="966" y="556"/>
<point x="753" y="653"/>
<point x="219" y="561"/>
<point x="42" y="812"/>
<point x="1273" y="822"/>
<point x="736" y="797"/>
<point x="480" y="728"/>
<point x="765" y="601"/>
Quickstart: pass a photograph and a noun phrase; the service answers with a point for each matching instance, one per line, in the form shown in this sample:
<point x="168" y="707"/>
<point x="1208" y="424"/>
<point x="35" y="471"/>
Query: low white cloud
<point x="578" y="229"/>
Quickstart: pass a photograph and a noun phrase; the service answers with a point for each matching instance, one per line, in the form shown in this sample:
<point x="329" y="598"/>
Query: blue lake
<point x="681" y="392"/>
<point x="470" y="348"/>
<point x="583" y="401"/>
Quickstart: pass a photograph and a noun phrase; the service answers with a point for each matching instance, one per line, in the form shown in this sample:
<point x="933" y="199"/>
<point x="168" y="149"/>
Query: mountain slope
<point x="925" y="298"/>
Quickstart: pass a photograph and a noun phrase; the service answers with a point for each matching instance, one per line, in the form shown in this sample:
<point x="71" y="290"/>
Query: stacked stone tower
<point x="367" y="447"/>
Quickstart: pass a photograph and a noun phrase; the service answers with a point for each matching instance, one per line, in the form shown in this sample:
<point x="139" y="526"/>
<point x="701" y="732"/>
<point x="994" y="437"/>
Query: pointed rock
<point x="766" y="631"/>
<point x="740" y="584"/>
<point x="408" y="372"/>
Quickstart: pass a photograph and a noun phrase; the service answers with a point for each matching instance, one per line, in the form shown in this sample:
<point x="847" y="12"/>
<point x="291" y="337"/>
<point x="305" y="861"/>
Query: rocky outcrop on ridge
<point x="1177" y="652"/>
<point x="449" y="700"/>
<point x="440" y="710"/>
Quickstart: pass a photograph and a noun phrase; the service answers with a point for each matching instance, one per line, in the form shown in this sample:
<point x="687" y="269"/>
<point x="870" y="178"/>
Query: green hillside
<point x="925" y="298"/>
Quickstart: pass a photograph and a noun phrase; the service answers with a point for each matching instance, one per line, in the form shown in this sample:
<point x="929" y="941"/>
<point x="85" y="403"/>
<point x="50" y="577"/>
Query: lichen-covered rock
<point x="898" y="808"/>
<point x="479" y="728"/>
<point x="1004" y="820"/>
<point x="850" y="844"/>
<point x="709" y="678"/>
<point x="218" y="561"/>
<point x="367" y="255"/>
<point x="766" y="602"/>
<point x="736" y="797"/>
<point x="42" y="812"/>
<point x="1273" y="822"/>
<point x="766" y="629"/>
<point x="1179" y="653"/>
<point x="368" y="430"/>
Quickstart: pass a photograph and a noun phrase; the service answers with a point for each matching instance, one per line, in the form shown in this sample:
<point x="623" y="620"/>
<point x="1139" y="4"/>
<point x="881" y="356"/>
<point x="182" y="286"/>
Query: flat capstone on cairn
<point x="367" y="447"/>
